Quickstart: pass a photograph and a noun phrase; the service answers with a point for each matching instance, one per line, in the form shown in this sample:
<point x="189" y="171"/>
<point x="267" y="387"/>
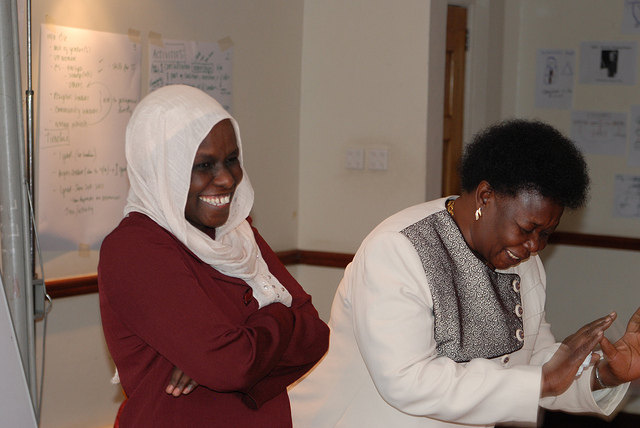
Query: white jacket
<point x="382" y="369"/>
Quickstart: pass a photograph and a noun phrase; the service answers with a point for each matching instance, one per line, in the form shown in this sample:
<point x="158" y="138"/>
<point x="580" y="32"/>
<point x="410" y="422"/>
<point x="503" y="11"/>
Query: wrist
<point x="603" y="376"/>
<point x="598" y="377"/>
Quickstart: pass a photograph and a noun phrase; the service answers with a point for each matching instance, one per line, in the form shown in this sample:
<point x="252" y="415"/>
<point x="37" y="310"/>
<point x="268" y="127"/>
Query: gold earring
<point x="478" y="213"/>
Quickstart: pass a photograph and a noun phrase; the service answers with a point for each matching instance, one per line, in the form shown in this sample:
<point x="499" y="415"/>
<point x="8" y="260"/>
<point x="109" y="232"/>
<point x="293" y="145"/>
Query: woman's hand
<point x="622" y="359"/>
<point x="180" y="383"/>
<point x="560" y="371"/>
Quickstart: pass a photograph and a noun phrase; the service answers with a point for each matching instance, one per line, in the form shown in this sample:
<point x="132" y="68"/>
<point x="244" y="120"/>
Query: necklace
<point x="449" y="206"/>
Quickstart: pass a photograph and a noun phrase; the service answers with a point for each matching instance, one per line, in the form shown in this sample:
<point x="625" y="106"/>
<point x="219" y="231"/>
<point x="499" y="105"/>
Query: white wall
<point x="564" y="25"/>
<point x="365" y="75"/>
<point x="548" y="24"/>
<point x="320" y="283"/>
<point x="77" y="390"/>
<point x="372" y="77"/>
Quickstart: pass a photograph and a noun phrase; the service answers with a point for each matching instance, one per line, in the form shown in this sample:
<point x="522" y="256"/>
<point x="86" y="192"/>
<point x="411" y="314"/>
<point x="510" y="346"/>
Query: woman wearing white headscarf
<point x="187" y="283"/>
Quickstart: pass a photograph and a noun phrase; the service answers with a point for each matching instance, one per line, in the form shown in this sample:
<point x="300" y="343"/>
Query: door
<point x="453" y="98"/>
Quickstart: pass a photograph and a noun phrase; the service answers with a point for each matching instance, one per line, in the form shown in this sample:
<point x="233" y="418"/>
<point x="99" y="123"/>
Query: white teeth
<point x="513" y="255"/>
<point x="216" y="200"/>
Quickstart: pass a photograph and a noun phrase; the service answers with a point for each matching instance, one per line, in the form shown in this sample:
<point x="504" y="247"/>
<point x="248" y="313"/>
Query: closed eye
<point x="525" y="230"/>
<point x="232" y="160"/>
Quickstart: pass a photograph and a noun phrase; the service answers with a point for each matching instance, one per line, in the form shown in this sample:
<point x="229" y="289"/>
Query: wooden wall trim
<point x="72" y="286"/>
<point x="77" y="286"/>
<point x="595" y="241"/>
<point x="89" y="284"/>
<point x="322" y="258"/>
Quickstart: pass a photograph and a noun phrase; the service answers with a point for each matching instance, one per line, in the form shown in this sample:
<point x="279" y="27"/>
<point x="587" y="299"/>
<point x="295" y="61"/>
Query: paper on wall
<point x="554" y="78"/>
<point x="206" y="66"/>
<point x="603" y="133"/>
<point x="613" y="63"/>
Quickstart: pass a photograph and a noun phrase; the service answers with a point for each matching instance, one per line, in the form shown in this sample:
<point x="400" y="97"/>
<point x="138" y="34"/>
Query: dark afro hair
<point x="523" y="155"/>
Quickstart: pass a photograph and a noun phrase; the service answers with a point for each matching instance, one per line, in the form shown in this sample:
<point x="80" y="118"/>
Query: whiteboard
<point x="15" y="401"/>
<point x="89" y="87"/>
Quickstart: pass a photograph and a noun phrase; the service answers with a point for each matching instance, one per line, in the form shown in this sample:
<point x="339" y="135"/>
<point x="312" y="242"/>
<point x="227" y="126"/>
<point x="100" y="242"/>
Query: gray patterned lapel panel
<point x="478" y="312"/>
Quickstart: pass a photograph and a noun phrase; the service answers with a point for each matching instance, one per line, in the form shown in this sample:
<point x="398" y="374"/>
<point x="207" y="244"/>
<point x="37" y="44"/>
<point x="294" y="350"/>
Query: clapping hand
<point x="560" y="371"/>
<point x="622" y="358"/>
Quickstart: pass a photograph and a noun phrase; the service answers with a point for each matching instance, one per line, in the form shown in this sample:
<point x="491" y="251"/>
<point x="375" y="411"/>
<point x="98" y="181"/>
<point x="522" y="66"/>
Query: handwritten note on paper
<point x="89" y="86"/>
<point x="626" y="202"/>
<point x="202" y="65"/>
<point x="602" y="133"/>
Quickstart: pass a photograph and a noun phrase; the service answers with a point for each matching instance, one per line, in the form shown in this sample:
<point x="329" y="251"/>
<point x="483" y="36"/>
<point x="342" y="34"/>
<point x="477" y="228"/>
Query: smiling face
<point x="512" y="228"/>
<point x="215" y="175"/>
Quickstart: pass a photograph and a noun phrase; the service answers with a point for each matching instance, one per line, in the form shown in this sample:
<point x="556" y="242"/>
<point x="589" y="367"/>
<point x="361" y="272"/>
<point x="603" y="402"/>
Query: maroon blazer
<point x="162" y="307"/>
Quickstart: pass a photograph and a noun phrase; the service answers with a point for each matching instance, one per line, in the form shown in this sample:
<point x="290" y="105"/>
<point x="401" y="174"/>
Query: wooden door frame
<point x="480" y="107"/>
<point x="454" y="84"/>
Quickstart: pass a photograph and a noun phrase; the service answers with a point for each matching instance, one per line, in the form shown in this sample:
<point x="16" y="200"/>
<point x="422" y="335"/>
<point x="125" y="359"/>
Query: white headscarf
<point x="162" y="138"/>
